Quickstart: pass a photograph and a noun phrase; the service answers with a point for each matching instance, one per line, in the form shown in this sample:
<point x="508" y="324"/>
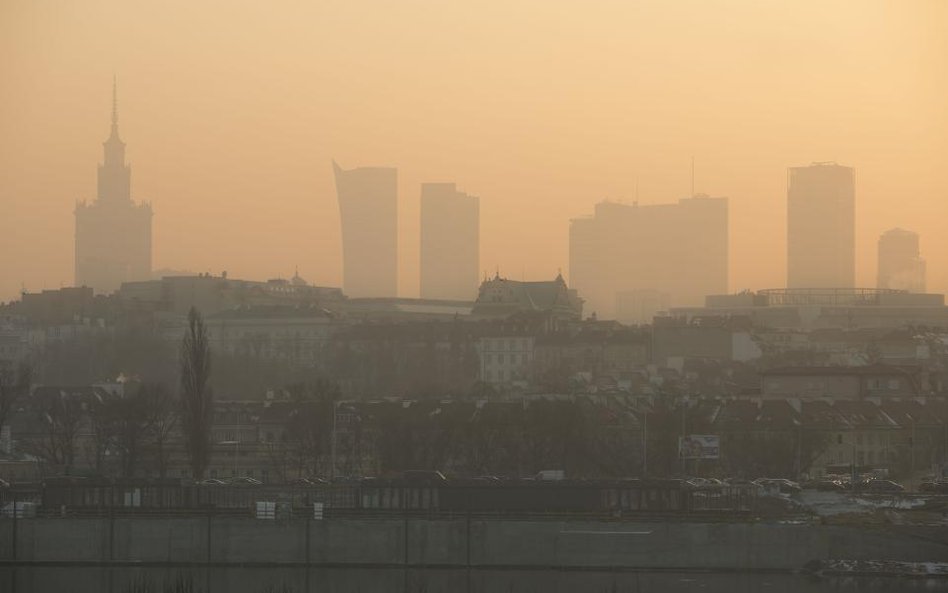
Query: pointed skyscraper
<point x="113" y="234"/>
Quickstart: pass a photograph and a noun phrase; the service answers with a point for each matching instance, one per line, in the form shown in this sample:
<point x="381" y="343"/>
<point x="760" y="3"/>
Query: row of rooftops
<point x="726" y="414"/>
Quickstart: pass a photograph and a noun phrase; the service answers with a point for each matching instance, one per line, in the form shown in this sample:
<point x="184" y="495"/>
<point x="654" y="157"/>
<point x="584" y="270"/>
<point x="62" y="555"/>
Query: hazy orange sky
<point x="232" y="112"/>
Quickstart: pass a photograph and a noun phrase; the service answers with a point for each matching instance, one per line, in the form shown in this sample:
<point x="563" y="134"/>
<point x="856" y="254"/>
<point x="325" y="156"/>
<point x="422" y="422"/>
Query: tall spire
<point x="114" y="102"/>
<point x="114" y="173"/>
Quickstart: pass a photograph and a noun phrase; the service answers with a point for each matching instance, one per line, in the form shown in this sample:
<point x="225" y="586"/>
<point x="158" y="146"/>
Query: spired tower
<point x="113" y="233"/>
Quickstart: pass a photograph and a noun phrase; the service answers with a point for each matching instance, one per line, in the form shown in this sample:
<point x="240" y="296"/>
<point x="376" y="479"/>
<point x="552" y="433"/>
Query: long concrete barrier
<point x="454" y="543"/>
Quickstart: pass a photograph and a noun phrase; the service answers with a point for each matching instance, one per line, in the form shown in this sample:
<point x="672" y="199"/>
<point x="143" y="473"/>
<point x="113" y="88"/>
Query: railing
<point x="380" y="499"/>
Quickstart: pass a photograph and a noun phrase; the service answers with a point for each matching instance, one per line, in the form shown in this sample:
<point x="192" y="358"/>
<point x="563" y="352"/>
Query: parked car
<point x="934" y="486"/>
<point x="423" y="476"/>
<point x="878" y="485"/>
<point x="243" y="481"/>
<point x="211" y="482"/>
<point x="824" y="485"/>
<point x="784" y="485"/>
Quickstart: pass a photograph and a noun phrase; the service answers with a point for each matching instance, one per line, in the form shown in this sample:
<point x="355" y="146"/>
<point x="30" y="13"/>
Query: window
<point x="500" y="358"/>
<point x="893" y="384"/>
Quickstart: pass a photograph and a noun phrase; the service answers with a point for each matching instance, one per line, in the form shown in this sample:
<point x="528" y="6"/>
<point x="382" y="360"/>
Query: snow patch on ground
<point x="826" y="504"/>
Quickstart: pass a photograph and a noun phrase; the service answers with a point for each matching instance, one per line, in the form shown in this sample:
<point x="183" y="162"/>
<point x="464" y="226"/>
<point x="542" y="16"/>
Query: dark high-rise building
<point x="677" y="250"/>
<point x="368" y="208"/>
<point x="821" y="251"/>
<point x="900" y="265"/>
<point x="450" y="243"/>
<point x="113" y="233"/>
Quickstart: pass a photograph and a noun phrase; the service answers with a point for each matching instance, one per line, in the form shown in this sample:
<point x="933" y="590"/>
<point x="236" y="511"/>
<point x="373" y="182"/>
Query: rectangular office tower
<point x="450" y="243"/>
<point x="113" y="233"/>
<point x="900" y="265"/>
<point x="368" y="209"/>
<point x="821" y="250"/>
<point x="677" y="250"/>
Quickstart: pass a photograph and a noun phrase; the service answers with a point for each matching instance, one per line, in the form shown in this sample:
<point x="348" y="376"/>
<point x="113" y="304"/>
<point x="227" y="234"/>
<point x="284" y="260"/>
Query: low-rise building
<point x="840" y="383"/>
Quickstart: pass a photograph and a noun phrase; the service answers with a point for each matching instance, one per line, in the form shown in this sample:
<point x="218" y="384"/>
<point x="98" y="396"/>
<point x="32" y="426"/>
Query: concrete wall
<point x="445" y="543"/>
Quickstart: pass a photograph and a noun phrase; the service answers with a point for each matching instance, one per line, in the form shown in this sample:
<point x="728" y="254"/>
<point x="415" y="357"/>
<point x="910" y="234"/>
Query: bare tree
<point x="131" y="422"/>
<point x="103" y="417"/>
<point x="163" y="421"/>
<point x="309" y="424"/>
<point x="60" y="417"/>
<point x="196" y="398"/>
<point x="13" y="387"/>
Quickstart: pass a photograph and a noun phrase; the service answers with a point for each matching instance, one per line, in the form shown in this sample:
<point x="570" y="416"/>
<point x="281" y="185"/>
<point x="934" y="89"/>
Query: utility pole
<point x="684" y="408"/>
<point x="332" y="470"/>
<point x="853" y="477"/>
<point x="645" y="444"/>
<point x="912" y="443"/>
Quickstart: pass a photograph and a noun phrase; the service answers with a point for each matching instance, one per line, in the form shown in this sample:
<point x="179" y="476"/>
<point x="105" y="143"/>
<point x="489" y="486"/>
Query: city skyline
<point x="443" y="296"/>
<point x="235" y="162"/>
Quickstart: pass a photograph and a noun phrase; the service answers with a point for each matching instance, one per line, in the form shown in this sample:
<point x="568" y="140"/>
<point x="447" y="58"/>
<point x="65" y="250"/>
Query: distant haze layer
<point x="233" y="112"/>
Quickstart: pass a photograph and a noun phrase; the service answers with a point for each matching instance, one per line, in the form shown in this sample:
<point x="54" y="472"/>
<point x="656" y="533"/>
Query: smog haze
<point x="234" y="111"/>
